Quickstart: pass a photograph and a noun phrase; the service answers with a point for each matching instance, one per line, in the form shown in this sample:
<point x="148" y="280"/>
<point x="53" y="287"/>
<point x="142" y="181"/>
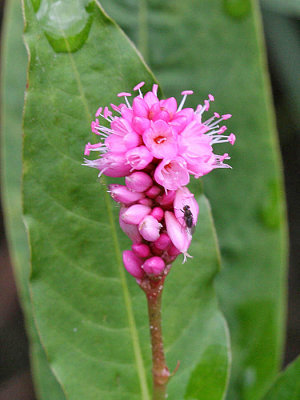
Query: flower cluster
<point x="156" y="145"/>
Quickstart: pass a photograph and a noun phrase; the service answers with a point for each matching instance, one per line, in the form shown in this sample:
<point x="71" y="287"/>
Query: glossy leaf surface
<point x="13" y="82"/>
<point x="287" y="385"/>
<point x="91" y="316"/>
<point x="217" y="47"/>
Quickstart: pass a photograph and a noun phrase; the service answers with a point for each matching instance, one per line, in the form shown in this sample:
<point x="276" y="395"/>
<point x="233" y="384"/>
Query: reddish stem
<point x="153" y="289"/>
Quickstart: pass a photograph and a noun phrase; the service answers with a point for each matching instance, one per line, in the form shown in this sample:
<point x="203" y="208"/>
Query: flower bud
<point x="138" y="181"/>
<point x="178" y="235"/>
<point x="149" y="228"/>
<point x="163" y="242"/>
<point x="166" y="200"/>
<point x="130" y="230"/>
<point x="135" y="214"/>
<point x="184" y="198"/>
<point x="121" y="194"/>
<point x="157" y="213"/>
<point x="153" y="266"/>
<point x="146" y="202"/>
<point x="133" y="264"/>
<point x="141" y="250"/>
<point x="153" y="192"/>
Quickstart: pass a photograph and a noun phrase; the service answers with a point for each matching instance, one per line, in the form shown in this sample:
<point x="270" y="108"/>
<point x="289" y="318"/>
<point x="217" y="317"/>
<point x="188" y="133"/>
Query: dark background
<point x="283" y="45"/>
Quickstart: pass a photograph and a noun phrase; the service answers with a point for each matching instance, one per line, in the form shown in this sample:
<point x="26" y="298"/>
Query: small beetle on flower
<point x="156" y="145"/>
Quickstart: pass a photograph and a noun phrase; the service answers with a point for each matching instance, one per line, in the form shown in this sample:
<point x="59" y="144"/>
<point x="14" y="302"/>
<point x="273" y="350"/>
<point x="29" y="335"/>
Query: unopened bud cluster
<point x="154" y="221"/>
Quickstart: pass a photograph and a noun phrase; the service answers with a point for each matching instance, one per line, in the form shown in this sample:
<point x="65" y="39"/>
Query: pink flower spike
<point x="98" y="112"/>
<point x="135" y="214"/>
<point x="154" y="266"/>
<point x="132" y="264"/>
<point x="138" y="181"/>
<point x="130" y="230"/>
<point x="157" y="213"/>
<point x="153" y="192"/>
<point x="139" y="157"/>
<point x="211" y="97"/>
<point x="186" y="92"/>
<point x="179" y="237"/>
<point x="217" y="115"/>
<point x="172" y="174"/>
<point x="163" y="242"/>
<point x="123" y="94"/>
<point x="231" y="138"/>
<point x="149" y="228"/>
<point x="226" y="116"/>
<point x="138" y="86"/>
<point x="141" y="250"/>
<point x="121" y="194"/>
<point x="184" y="198"/>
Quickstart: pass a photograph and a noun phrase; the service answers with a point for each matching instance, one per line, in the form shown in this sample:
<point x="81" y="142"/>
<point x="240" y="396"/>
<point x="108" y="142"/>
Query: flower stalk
<point x="153" y="289"/>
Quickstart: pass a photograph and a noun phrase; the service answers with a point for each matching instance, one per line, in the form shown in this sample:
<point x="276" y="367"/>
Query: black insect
<point x="188" y="217"/>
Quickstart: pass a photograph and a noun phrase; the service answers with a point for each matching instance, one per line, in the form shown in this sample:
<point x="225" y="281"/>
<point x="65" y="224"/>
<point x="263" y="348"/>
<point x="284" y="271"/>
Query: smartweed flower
<point x="156" y="145"/>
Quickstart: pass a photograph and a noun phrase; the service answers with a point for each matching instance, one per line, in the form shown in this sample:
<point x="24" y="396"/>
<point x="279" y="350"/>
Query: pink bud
<point x="154" y="266"/>
<point x="156" y="251"/>
<point x="163" y="242"/>
<point x="141" y="250"/>
<point x="133" y="264"/>
<point x="149" y="228"/>
<point x="146" y="202"/>
<point x="157" y="213"/>
<point x="139" y="157"/>
<point x="153" y="192"/>
<point x="130" y="230"/>
<point x="166" y="199"/>
<point x="178" y="235"/>
<point x="173" y="251"/>
<point x="184" y="198"/>
<point x="123" y="195"/>
<point x="135" y="214"/>
<point x="138" y="181"/>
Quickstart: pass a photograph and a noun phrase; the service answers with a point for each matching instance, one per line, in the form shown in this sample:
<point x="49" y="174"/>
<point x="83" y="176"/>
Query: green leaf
<point x="91" y="315"/>
<point x="13" y="82"/>
<point x="287" y="384"/>
<point x="217" y="47"/>
<point x="289" y="7"/>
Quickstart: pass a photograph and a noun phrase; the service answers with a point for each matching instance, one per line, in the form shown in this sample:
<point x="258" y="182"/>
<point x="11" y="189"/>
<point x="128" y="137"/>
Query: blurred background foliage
<point x="281" y="25"/>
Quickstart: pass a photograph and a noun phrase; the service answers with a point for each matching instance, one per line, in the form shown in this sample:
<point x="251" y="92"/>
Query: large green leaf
<point x="13" y="82"/>
<point x="217" y="47"/>
<point x="287" y="384"/>
<point x="91" y="316"/>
